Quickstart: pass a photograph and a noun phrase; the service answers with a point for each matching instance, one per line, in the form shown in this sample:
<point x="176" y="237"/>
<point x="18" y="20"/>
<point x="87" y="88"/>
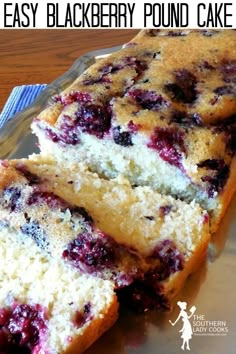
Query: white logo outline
<point x="186" y="330"/>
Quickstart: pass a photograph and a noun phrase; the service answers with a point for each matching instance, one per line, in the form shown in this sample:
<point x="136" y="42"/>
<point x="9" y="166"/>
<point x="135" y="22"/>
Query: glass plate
<point x="16" y="139"/>
<point x="212" y="290"/>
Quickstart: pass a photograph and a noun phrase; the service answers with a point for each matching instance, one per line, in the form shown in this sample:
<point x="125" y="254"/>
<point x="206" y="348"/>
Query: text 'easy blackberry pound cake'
<point x="145" y="244"/>
<point x="161" y="111"/>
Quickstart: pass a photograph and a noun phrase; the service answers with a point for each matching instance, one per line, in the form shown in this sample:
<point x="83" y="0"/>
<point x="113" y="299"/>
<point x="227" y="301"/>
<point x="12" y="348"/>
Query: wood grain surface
<point x="40" y="56"/>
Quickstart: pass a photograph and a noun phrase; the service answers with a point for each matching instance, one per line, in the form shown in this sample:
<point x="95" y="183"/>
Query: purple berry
<point x="139" y="65"/>
<point x="165" y="209"/>
<point x="91" y="118"/>
<point x="122" y="138"/>
<point x="211" y="164"/>
<point x="103" y="78"/>
<point x="4" y="316"/>
<point x="3" y="342"/>
<point x="31" y="177"/>
<point x="94" y="119"/>
<point x="214" y="100"/>
<point x="80" y="211"/>
<point x="66" y="136"/>
<point x="206" y="218"/>
<point x="205" y="65"/>
<point x="108" y="69"/>
<point x="81" y="317"/>
<point x="144" y="294"/>
<point x="224" y="90"/>
<point x="53" y="201"/>
<point x="183" y="89"/>
<point x="229" y="71"/>
<point x="100" y="255"/>
<point x="229" y="67"/>
<point x="72" y="97"/>
<point x="197" y="119"/>
<point x="32" y="228"/>
<point x="68" y="129"/>
<point x="148" y="99"/>
<point x="176" y="34"/>
<point x="153" y="32"/>
<point x="151" y="218"/>
<point x="219" y="173"/>
<point x="21" y="328"/>
<point x="187" y="120"/>
<point x="227" y="126"/>
<point x="170" y="257"/>
<point x="169" y="142"/>
<point x="231" y="140"/>
<point x="133" y="127"/>
<point x="12" y="198"/>
<point x="90" y="253"/>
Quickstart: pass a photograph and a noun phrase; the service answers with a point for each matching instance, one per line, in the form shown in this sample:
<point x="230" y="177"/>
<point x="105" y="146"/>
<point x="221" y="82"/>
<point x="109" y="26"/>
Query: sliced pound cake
<point x="161" y="111"/>
<point x="47" y="306"/>
<point x="146" y="243"/>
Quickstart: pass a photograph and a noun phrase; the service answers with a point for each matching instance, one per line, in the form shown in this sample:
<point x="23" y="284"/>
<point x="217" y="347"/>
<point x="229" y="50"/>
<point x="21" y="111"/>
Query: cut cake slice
<point x="46" y="306"/>
<point x="146" y="243"/>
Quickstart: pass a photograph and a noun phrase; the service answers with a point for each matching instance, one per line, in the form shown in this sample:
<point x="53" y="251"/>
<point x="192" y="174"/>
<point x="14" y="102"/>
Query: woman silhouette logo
<point x="187" y="328"/>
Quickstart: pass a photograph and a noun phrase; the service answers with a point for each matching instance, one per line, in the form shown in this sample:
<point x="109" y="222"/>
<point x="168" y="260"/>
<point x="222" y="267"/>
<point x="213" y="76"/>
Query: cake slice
<point x="145" y="243"/>
<point x="161" y="111"/>
<point x="46" y="306"/>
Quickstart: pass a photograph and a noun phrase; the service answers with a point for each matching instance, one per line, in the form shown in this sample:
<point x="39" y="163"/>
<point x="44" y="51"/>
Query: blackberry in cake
<point x="161" y="111"/>
<point x="47" y="306"/>
<point x="145" y="243"/>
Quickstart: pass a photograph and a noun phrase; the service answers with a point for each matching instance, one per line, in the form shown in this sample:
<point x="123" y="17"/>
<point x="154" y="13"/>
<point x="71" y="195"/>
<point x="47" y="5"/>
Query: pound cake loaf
<point x="161" y="111"/>
<point x="45" y="305"/>
<point x="145" y="243"/>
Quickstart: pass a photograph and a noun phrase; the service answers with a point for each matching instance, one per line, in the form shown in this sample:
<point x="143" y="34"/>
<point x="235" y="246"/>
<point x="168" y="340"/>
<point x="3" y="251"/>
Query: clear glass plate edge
<point x="15" y="135"/>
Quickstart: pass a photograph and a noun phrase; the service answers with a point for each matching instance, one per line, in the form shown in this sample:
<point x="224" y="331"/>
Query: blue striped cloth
<point x="20" y="98"/>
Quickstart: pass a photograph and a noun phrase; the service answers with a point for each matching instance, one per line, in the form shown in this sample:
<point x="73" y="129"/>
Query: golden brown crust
<point x="206" y="56"/>
<point x="95" y="329"/>
<point x="50" y="115"/>
<point x="8" y="175"/>
<point x="202" y="54"/>
<point x="176" y="283"/>
<point x="224" y="198"/>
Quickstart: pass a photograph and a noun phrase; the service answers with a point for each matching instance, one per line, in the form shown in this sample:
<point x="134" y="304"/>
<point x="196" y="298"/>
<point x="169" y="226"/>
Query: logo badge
<point x="198" y="326"/>
<point x="186" y="329"/>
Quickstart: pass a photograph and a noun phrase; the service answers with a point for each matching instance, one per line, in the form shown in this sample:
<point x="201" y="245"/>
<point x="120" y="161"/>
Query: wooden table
<point x="40" y="56"/>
